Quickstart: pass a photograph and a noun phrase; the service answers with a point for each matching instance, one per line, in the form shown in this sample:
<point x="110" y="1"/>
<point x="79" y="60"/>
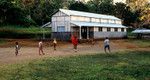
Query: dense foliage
<point x="39" y="12"/>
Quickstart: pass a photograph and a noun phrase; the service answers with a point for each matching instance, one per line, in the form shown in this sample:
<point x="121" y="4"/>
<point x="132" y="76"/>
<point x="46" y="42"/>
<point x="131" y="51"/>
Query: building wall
<point x="114" y="1"/>
<point x="60" y="19"/>
<point x="111" y="34"/>
<point x="97" y="20"/>
<point x="83" y="0"/>
<point x="117" y="1"/>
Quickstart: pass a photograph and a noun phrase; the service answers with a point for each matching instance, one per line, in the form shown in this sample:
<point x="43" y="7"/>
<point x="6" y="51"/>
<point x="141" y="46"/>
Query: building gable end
<point x="59" y="13"/>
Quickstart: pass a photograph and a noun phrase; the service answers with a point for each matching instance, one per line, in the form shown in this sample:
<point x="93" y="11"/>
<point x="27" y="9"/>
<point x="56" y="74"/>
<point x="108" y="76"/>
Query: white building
<point x="86" y="25"/>
<point x="114" y="1"/>
<point x="83" y="0"/>
<point x="118" y="1"/>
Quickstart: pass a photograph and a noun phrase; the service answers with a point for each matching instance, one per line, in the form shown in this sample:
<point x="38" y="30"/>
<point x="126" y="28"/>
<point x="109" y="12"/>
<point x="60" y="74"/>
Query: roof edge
<point x="87" y="12"/>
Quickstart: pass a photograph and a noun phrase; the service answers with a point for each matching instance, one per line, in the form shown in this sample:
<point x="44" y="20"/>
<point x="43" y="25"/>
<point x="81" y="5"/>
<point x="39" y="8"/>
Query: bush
<point x="21" y="32"/>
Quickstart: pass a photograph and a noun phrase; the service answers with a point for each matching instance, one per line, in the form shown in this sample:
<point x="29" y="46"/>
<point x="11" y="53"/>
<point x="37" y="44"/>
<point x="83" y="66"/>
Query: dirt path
<point x="27" y="52"/>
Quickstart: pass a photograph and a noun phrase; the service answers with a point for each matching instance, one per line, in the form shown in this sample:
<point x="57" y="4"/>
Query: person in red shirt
<point x="74" y="42"/>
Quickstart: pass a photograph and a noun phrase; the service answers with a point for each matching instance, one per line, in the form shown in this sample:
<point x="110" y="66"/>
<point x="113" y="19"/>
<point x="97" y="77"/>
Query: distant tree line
<point x="39" y="12"/>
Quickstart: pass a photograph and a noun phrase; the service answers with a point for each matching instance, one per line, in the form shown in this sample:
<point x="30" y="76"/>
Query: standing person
<point x="41" y="47"/>
<point x="54" y="43"/>
<point x="106" y="44"/>
<point x="17" y="48"/>
<point x="74" y="42"/>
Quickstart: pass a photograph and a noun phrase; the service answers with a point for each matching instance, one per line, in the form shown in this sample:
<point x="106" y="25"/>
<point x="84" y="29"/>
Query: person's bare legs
<point x="105" y="49"/>
<point x="42" y="51"/>
<point x="39" y="52"/>
<point x="16" y="53"/>
<point x="109" y="49"/>
<point x="75" y="47"/>
<point x="54" y="46"/>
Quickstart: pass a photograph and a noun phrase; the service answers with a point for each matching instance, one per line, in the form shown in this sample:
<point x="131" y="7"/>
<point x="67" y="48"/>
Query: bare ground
<point x="29" y="50"/>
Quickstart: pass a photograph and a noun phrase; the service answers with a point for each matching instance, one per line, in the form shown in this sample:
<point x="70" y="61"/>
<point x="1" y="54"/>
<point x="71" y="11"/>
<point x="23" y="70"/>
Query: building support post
<point x="43" y="33"/>
<point x="87" y="32"/>
<point x="80" y="37"/>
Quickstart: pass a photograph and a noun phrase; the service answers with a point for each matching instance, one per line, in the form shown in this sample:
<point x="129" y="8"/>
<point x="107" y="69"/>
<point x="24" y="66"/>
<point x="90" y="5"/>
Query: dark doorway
<point x="91" y="32"/>
<point x="84" y="32"/>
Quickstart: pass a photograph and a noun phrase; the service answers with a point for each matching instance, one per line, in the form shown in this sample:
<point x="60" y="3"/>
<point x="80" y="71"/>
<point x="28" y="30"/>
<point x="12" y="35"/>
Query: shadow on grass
<point x="133" y="65"/>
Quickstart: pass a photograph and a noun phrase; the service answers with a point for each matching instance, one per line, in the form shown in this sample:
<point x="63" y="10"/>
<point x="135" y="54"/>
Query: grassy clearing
<point x="118" y="66"/>
<point x="2" y="41"/>
<point x="23" y="32"/>
<point x="143" y="43"/>
<point x="21" y="29"/>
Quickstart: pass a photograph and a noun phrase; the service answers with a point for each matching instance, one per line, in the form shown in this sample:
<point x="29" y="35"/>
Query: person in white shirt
<point x="106" y="44"/>
<point x="41" y="47"/>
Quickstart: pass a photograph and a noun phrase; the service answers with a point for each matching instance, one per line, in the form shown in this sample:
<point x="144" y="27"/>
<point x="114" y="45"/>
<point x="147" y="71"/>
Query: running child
<point x="54" y="43"/>
<point x="41" y="47"/>
<point x="17" y="47"/>
<point x="74" y="42"/>
<point x="106" y="44"/>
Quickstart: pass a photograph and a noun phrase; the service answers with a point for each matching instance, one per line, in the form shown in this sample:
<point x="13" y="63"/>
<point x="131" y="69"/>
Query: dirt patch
<point x="29" y="49"/>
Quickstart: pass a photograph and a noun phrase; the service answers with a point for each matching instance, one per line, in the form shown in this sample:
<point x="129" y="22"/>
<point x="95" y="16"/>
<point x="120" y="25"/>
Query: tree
<point x="141" y="8"/>
<point x="97" y="6"/>
<point x="93" y="6"/>
<point x="101" y="6"/>
<point x="79" y="6"/>
<point x="10" y="13"/>
<point x="5" y="5"/>
<point x="137" y="4"/>
<point x="145" y="17"/>
<point x="36" y="12"/>
<point x="44" y="10"/>
<point x="123" y="12"/>
<point x="106" y="8"/>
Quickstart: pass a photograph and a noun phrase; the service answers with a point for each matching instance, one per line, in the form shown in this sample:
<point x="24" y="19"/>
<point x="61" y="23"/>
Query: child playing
<point x="54" y="43"/>
<point x="106" y="44"/>
<point x="74" y="42"/>
<point x="17" y="48"/>
<point x="41" y="47"/>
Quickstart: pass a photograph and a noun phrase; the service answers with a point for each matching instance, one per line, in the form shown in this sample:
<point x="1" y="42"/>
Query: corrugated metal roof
<point x="87" y="14"/>
<point x="141" y="31"/>
<point x="47" y="25"/>
<point x="92" y="24"/>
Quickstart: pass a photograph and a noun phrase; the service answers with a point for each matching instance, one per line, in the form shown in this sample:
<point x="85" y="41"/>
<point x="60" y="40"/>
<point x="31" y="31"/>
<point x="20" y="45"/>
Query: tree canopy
<point x="38" y="12"/>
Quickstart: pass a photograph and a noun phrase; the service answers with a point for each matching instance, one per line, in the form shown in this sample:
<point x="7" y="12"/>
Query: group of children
<point x="41" y="46"/>
<point x="74" y="41"/>
<point x="17" y="47"/>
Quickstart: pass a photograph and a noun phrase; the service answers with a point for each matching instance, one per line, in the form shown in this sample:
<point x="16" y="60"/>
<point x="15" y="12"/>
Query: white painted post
<point x="80" y="33"/>
<point x="87" y="32"/>
<point x="43" y="33"/>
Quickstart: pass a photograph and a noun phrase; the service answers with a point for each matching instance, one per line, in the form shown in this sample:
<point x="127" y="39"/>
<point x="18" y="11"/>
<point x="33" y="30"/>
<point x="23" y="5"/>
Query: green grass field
<point x="142" y="43"/>
<point x="13" y="31"/>
<point x="2" y="42"/>
<point x="133" y="65"/>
